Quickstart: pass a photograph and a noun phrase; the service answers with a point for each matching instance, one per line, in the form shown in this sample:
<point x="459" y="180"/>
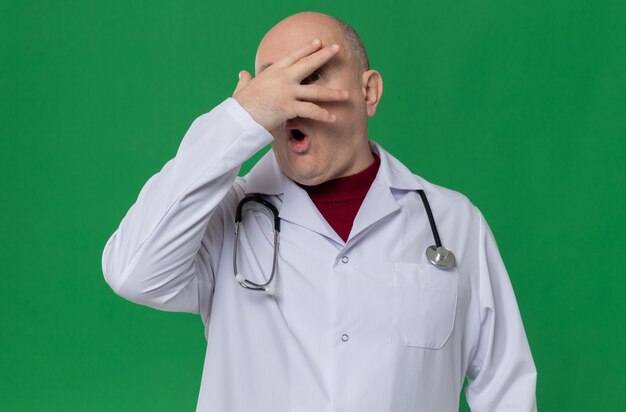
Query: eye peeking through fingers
<point x="312" y="78"/>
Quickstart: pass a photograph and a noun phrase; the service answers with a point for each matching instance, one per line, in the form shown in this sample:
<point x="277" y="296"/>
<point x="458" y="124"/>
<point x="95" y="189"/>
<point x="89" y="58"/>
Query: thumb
<point x="244" y="78"/>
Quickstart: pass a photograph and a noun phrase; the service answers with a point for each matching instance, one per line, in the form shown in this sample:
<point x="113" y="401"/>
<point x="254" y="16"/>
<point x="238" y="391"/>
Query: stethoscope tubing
<point x="431" y="219"/>
<point x="248" y="284"/>
<point x="436" y="254"/>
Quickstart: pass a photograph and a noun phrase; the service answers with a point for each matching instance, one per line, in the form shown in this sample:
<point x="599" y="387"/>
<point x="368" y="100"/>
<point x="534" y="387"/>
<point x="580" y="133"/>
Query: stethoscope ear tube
<point x="258" y="199"/>
<point x="240" y="278"/>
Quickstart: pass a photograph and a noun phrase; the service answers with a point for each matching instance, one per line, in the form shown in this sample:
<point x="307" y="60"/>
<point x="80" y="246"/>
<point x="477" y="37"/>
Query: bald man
<point x="320" y="297"/>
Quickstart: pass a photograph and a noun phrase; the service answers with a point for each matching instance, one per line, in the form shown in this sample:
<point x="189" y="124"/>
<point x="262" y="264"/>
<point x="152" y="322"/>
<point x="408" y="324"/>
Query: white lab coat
<point x="362" y="325"/>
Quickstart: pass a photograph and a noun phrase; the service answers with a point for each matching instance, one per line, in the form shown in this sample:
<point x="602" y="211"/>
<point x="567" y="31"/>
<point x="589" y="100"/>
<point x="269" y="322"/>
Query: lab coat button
<point x="344" y="337"/>
<point x="344" y="259"/>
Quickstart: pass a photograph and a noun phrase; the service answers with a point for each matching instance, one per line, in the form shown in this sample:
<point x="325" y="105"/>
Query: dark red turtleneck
<point x="339" y="200"/>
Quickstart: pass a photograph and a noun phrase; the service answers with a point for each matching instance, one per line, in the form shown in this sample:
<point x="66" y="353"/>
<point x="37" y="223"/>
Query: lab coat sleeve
<point x="502" y="374"/>
<point x="161" y="254"/>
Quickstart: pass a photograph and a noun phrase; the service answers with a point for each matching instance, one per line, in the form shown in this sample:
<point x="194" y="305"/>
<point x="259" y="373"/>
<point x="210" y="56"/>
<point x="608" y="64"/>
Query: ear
<point x="372" y="88"/>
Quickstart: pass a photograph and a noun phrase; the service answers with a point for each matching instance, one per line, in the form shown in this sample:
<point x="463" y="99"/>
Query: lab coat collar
<point x="266" y="178"/>
<point x="393" y="173"/>
<point x="380" y="201"/>
<point x="296" y="206"/>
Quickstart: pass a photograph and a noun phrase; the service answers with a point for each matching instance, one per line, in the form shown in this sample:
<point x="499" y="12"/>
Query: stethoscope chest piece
<point x="440" y="257"/>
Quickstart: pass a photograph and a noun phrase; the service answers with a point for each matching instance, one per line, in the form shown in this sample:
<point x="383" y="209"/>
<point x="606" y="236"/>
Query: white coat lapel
<point x="296" y="207"/>
<point x="378" y="204"/>
<point x="299" y="209"/>
<point x="380" y="201"/>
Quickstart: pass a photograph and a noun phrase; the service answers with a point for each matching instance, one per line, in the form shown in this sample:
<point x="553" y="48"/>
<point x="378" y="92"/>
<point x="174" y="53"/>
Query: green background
<point x="520" y="105"/>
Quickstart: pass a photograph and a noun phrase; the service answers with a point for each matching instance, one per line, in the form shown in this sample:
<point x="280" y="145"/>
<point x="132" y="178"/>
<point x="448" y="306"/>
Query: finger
<point x="244" y="78"/>
<point x="298" y="54"/>
<point x="313" y="111"/>
<point x="320" y="94"/>
<point x="312" y="62"/>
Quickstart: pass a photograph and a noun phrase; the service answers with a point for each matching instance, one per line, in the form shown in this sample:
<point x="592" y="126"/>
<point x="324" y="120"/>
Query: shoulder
<point x="444" y="202"/>
<point x="228" y="205"/>
<point x="447" y="197"/>
<point x="450" y="204"/>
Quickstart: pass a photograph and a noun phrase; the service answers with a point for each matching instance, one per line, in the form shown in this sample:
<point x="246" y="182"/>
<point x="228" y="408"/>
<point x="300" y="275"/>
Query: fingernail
<point x="334" y="47"/>
<point x="316" y="42"/>
<point x="239" y="75"/>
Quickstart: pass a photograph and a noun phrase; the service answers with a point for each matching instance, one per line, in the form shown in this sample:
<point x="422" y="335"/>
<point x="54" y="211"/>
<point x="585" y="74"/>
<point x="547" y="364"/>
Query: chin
<point x="308" y="176"/>
<point x="307" y="180"/>
<point x="304" y="169"/>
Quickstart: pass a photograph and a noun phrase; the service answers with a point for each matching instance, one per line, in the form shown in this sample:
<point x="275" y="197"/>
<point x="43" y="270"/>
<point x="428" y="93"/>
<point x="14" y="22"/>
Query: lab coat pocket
<point x="425" y="300"/>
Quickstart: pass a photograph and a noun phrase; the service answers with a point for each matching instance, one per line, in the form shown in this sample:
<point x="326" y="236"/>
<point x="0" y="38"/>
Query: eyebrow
<point x="265" y="66"/>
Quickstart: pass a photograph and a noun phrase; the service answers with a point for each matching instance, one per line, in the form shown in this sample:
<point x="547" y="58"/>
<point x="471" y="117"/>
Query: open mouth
<point x="298" y="140"/>
<point x="298" y="135"/>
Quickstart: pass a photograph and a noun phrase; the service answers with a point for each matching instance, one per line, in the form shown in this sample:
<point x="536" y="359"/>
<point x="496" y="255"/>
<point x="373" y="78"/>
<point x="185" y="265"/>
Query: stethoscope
<point x="436" y="254"/>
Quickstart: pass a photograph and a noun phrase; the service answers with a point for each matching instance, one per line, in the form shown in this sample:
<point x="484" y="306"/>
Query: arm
<point x="502" y="374"/>
<point x="152" y="258"/>
<point x="163" y="253"/>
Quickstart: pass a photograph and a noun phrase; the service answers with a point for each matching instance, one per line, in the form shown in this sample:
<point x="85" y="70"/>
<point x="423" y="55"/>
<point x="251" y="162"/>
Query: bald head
<point x="324" y="27"/>
<point x="354" y="44"/>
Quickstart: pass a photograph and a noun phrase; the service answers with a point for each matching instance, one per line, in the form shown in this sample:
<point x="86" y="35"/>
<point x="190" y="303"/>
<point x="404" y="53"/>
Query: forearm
<point x="149" y="259"/>
<point x="502" y="374"/>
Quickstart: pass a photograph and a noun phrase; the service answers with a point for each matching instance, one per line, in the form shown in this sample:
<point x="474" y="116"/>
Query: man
<point x="356" y="318"/>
